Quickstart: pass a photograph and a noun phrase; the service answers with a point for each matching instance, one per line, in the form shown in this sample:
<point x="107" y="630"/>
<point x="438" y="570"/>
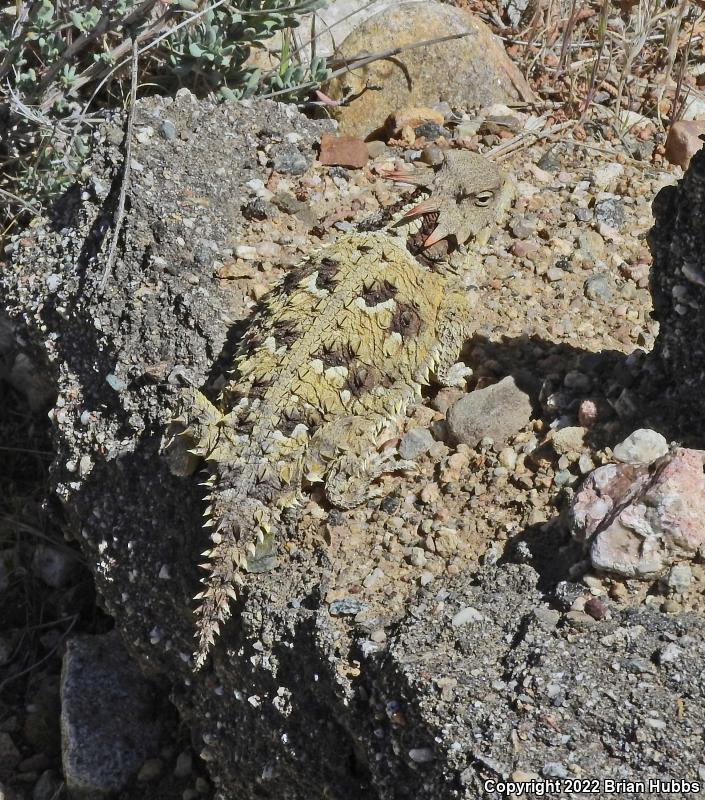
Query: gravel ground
<point x="565" y="312"/>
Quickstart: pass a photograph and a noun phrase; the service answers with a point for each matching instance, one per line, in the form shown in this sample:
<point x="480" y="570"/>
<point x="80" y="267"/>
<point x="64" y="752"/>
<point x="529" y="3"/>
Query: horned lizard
<point x="336" y="352"/>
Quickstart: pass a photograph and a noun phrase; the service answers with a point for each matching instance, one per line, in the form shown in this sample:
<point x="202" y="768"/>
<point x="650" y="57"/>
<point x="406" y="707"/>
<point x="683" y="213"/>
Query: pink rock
<point x="344" y="151"/>
<point x="683" y="141"/>
<point x="521" y="248"/>
<point x="638" y="520"/>
<point x="587" y="413"/>
<point x="592" y="411"/>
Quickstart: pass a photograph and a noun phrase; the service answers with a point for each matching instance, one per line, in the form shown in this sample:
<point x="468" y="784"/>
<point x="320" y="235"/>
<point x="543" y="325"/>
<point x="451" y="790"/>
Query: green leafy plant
<point x="62" y="68"/>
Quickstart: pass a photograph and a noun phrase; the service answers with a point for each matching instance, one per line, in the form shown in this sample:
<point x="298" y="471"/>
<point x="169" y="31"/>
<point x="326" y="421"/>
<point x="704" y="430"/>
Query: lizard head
<point x="467" y="194"/>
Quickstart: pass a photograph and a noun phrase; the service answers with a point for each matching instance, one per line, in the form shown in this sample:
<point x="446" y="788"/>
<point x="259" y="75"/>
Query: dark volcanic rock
<point x="677" y="243"/>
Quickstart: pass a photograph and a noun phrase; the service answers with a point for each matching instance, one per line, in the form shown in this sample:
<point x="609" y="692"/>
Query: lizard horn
<point x="438" y="233"/>
<point x="427" y="206"/>
<point x="400" y="176"/>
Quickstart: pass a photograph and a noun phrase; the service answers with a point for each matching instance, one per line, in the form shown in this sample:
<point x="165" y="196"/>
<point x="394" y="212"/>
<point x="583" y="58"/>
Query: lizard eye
<point x="483" y="199"/>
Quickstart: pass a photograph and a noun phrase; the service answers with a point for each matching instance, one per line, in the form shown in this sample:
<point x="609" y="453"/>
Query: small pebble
<point x="289" y="160"/>
<point x="421" y="755"/>
<point x="347" y="607"/>
<point x="415" y="442"/>
<point x="466" y="615"/>
<point x="150" y="770"/>
<point x="679" y="578"/>
<point x="597" y="289"/>
<point x="610" y="212"/>
<point x="184" y="764"/>
<point x="168" y="130"/>
<point x="641" y="447"/>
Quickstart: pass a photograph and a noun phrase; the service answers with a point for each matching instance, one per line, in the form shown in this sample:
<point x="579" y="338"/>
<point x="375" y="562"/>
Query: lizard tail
<point x="223" y="568"/>
<point x="240" y="545"/>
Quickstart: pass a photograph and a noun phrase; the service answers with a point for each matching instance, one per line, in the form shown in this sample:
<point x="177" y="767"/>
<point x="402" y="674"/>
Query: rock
<point x="638" y="520"/>
<point x="641" y="447"/>
<point x="679" y="578"/>
<point x="287" y="707"/>
<point x="8" y="794"/>
<point x="683" y="141"/>
<point x="31" y="381"/>
<point x="587" y="413"/>
<point x="415" y="442"/>
<point x="109" y="719"/>
<point x="678" y="293"/>
<point x="519" y="12"/>
<point x="344" y="151"/>
<point x="465" y="72"/>
<point x="289" y="160"/>
<point x="610" y="211"/>
<point x="570" y="439"/>
<point x="606" y="175"/>
<point x="56" y="567"/>
<point x="10" y="756"/>
<point x="592" y="245"/>
<point x="496" y="412"/>
<point x="412" y="118"/>
<point x="431" y="131"/>
<point x="465" y="616"/>
<point x="150" y="770"/>
<point x="184" y="765"/>
<point x="598" y="289"/>
<point x="48" y="786"/>
<point x="552" y="159"/>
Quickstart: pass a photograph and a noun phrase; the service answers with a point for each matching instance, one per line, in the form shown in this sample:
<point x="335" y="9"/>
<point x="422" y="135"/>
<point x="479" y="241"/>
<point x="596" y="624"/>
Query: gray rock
<point x="348" y="606"/>
<point x="641" y="447"/>
<point x="30" y="380"/>
<point x="610" y="211"/>
<point x="518" y="12"/>
<point x="150" y="770"/>
<point x="289" y="160"/>
<point x="416" y="442"/>
<point x="184" y="765"/>
<point x="598" y="289"/>
<point x="496" y="412"/>
<point x="679" y="578"/>
<point x="48" y="786"/>
<point x="552" y="159"/>
<point x="168" y="130"/>
<point x="10" y="756"/>
<point x="109" y="720"/>
<point x="55" y="566"/>
<point x="286" y="706"/>
<point x="8" y="794"/>
<point x="465" y="616"/>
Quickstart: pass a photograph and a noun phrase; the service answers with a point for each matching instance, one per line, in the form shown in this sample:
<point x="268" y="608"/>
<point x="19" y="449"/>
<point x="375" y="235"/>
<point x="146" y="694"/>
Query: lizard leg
<point x="455" y="325"/>
<point x="208" y="432"/>
<point x="343" y="454"/>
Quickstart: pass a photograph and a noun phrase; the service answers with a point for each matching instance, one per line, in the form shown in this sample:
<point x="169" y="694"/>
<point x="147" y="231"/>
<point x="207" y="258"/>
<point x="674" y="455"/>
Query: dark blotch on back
<point x="258" y="388"/>
<point x="293" y="416"/>
<point x="406" y="320"/>
<point x="341" y="355"/>
<point x="379" y="293"/>
<point x="327" y="270"/>
<point x="285" y="333"/>
<point x="361" y="378"/>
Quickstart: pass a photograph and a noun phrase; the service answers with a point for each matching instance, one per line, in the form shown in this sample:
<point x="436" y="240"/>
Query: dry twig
<point x="120" y="213"/>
